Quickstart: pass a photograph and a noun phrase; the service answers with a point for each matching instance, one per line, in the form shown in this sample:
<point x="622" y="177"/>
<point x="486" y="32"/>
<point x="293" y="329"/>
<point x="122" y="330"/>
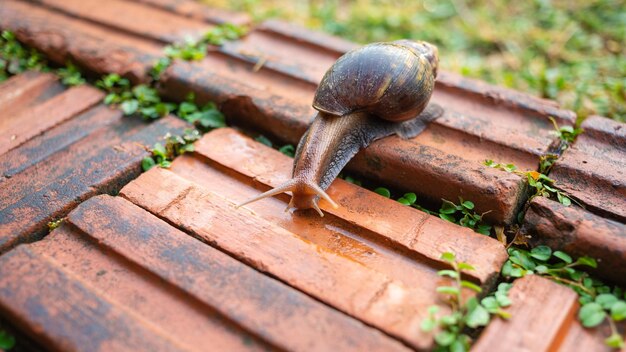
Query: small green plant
<point x="286" y="149"/>
<point x="70" y="75"/>
<point x="567" y="134"/>
<point x="193" y="50"/>
<point x="463" y="215"/>
<point x="542" y="184"/>
<point x="599" y="302"/>
<point x="7" y="341"/>
<point x="162" y="155"/>
<point x="351" y="179"/>
<point x="141" y="99"/>
<point x="223" y="33"/>
<point x="205" y="118"/>
<point x="16" y="58"/>
<point x="470" y="313"/>
<point x="55" y="224"/>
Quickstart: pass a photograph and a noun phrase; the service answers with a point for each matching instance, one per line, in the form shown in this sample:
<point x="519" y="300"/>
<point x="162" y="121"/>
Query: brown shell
<point x="392" y="80"/>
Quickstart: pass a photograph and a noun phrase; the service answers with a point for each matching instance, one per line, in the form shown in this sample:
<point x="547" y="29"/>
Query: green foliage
<point x="599" y="302"/>
<point x="7" y="341"/>
<point x="192" y="50"/>
<point x="55" y="224"/>
<point x="571" y="51"/>
<point x="16" y="58"/>
<point x="140" y="99"/>
<point x="205" y="118"/>
<point x="70" y="75"/>
<point x="162" y="155"/>
<point x="567" y="134"/>
<point x="223" y="33"/>
<point x="542" y="184"/>
<point x="463" y="215"/>
<point x="286" y="149"/>
<point x="471" y="313"/>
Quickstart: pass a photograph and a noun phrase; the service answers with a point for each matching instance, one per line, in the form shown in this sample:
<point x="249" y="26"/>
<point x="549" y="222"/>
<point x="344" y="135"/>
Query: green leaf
<point x="445" y="338"/>
<point x="591" y="315"/>
<point x="404" y="201"/>
<point x="563" y="256"/>
<point x="383" y="192"/>
<point x="428" y="325"/>
<point x="541" y="252"/>
<point x="448" y="218"/>
<point x="129" y="107"/>
<point x="465" y="266"/>
<point x="450" y="273"/>
<point x="288" y="150"/>
<point x="468" y="205"/>
<point x="264" y="140"/>
<point x="563" y="199"/>
<point x="618" y="311"/>
<point x="447" y="207"/>
<point x="159" y="150"/>
<point x="484" y="229"/>
<point x="448" y="257"/>
<point x="459" y="345"/>
<point x="449" y="290"/>
<point x="410" y="197"/>
<point x="491" y="304"/>
<point x="541" y="269"/>
<point x="614" y="341"/>
<point x="7" y="341"/>
<point x="479" y="316"/>
<point x="471" y="286"/>
<point x="212" y="118"/>
<point x="588" y="261"/>
<point x="606" y="300"/>
<point x="503" y="299"/>
<point x="449" y="320"/>
<point x="147" y="163"/>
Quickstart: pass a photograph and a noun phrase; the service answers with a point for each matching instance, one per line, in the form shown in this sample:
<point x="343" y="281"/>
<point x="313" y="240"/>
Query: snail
<point x="369" y="93"/>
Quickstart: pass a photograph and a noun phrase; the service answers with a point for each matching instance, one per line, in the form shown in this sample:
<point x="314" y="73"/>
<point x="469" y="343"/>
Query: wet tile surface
<point x="59" y="147"/>
<point x="378" y="259"/>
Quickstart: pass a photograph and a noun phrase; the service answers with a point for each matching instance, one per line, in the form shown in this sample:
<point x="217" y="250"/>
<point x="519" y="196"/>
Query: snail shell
<point x="369" y="93"/>
<point x="392" y="81"/>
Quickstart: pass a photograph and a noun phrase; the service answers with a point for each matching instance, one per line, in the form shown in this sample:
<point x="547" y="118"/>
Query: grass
<point x="569" y="51"/>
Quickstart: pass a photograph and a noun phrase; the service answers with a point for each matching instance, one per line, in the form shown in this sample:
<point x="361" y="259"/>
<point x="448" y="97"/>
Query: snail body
<point x="369" y="93"/>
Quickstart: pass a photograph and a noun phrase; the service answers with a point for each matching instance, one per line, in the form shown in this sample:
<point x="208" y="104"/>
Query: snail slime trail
<point x="372" y="92"/>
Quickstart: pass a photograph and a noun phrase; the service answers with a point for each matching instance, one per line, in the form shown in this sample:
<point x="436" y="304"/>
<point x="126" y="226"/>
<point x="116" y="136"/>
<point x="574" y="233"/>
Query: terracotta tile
<point x="69" y="316"/>
<point x="22" y="126"/>
<point x="133" y="288"/>
<point x="99" y="163"/>
<point x="198" y="11"/>
<point x="97" y="49"/>
<point x="377" y="257"/>
<point x="593" y="170"/>
<point x="55" y="140"/>
<point x="130" y="17"/>
<point x="579" y="232"/>
<point x="22" y="91"/>
<point x="158" y="275"/>
<point x="543" y="318"/>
